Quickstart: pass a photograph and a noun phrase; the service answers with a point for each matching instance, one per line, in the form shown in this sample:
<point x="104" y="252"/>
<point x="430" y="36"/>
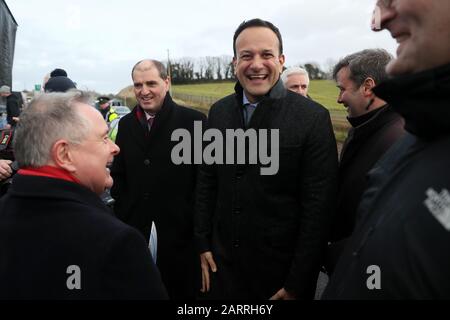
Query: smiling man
<point x="399" y="249"/>
<point x="52" y="220"/>
<point x="149" y="188"/>
<point x="262" y="237"/>
<point x="375" y="127"/>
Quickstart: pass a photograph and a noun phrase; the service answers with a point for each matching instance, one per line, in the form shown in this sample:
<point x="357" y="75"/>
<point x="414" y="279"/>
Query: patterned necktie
<point x="150" y="122"/>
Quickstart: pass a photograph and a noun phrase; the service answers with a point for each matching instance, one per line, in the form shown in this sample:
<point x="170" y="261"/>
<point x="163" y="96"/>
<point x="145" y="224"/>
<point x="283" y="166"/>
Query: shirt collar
<point x="49" y="172"/>
<point x="149" y="115"/>
<point x="247" y="102"/>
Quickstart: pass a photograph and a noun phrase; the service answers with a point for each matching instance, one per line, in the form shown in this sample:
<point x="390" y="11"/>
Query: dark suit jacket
<point x="48" y="225"/>
<point x="269" y="232"/>
<point x="363" y="148"/>
<point x="365" y="145"/>
<point x="12" y="109"/>
<point x="149" y="187"/>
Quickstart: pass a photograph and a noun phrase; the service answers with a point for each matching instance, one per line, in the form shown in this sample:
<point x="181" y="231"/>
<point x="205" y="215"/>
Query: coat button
<point x="237" y="211"/>
<point x="146" y="162"/>
<point x="236" y="244"/>
<point x="146" y="196"/>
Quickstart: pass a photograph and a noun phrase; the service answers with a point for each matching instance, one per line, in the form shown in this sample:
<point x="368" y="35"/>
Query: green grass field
<point x="216" y="90"/>
<point x="325" y="92"/>
<point x="322" y="91"/>
<point x="201" y="96"/>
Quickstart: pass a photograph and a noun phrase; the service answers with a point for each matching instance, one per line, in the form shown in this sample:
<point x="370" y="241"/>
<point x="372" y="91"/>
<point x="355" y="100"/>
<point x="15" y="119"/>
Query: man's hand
<point x="16" y="119"/>
<point x="207" y="262"/>
<point x="283" y="295"/>
<point x="5" y="169"/>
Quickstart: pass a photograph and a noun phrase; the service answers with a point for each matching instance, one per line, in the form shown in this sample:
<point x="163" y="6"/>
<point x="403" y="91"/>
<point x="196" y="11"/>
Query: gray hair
<point x="5" y="90"/>
<point x="364" y="64"/>
<point x="147" y="64"/>
<point x="294" y="70"/>
<point x="49" y="118"/>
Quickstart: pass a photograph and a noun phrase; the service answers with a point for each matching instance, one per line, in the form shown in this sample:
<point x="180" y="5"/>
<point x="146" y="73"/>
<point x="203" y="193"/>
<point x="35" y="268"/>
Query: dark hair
<point x="257" y="23"/>
<point x="58" y="73"/>
<point x="59" y="84"/>
<point x="364" y="64"/>
<point x="157" y="64"/>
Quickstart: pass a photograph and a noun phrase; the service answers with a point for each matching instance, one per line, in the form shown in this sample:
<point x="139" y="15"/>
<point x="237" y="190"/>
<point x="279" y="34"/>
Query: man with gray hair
<point x="296" y="79"/>
<point x="375" y="127"/>
<point x="78" y="249"/>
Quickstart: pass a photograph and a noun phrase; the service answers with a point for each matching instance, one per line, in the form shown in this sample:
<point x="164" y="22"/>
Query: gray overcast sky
<point x="98" y="41"/>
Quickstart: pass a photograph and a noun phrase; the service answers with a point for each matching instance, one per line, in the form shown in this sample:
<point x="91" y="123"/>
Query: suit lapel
<point x="161" y="120"/>
<point x="141" y="135"/>
<point x="138" y="132"/>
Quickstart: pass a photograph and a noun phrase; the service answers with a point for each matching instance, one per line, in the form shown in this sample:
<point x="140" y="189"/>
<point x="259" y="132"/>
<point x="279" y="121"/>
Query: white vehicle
<point x="121" y="110"/>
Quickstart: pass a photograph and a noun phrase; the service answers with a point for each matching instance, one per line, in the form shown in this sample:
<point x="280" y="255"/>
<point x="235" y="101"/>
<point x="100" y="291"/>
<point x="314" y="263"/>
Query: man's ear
<point x="367" y="87"/>
<point x="62" y="155"/>
<point x="234" y="62"/>
<point x="168" y="83"/>
<point x="281" y="59"/>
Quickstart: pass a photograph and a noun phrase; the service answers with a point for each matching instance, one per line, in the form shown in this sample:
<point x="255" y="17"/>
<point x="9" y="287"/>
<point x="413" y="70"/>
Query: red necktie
<point x="150" y="122"/>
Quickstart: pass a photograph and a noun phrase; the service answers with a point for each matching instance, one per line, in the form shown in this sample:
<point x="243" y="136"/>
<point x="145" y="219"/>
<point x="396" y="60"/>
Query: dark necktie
<point x="248" y="112"/>
<point x="150" y="122"/>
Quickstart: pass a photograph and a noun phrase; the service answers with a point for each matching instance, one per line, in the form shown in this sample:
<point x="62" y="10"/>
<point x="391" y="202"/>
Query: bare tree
<point x="201" y="68"/>
<point x="314" y="71"/>
<point x="210" y="68"/>
<point x="329" y="66"/>
<point x="232" y="71"/>
<point x="218" y="64"/>
<point x="187" y="69"/>
<point x="227" y="65"/>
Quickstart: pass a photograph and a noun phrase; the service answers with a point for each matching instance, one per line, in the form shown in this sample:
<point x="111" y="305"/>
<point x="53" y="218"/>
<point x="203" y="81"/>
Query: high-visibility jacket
<point x="113" y="127"/>
<point x="111" y="115"/>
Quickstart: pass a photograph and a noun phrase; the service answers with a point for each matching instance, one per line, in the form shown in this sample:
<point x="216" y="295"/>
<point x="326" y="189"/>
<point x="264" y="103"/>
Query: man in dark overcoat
<point x="150" y="189"/>
<point x="57" y="239"/>
<point x="375" y="127"/>
<point x="262" y="232"/>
